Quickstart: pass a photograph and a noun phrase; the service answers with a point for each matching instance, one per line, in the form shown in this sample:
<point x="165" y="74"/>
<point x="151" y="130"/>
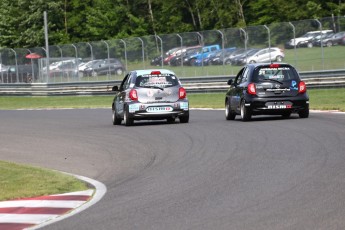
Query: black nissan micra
<point x="266" y="89"/>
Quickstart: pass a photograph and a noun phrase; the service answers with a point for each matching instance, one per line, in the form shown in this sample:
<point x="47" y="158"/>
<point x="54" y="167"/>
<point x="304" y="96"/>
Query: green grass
<point x="326" y="99"/>
<point x="19" y="181"/>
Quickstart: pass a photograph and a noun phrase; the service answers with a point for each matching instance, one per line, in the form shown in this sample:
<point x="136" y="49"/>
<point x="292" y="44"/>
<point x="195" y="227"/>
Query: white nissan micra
<point x="150" y="95"/>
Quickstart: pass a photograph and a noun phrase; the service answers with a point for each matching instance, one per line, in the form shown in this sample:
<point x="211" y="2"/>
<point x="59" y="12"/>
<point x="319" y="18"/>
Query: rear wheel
<point x="286" y="114"/>
<point x="245" y="112"/>
<point x="184" y="119"/>
<point x="116" y="119"/>
<point x="171" y="120"/>
<point x="304" y="113"/>
<point x="229" y="114"/>
<point x="127" y="120"/>
<point x="279" y="58"/>
<point x="192" y="62"/>
<point x="119" y="71"/>
<point x="94" y="74"/>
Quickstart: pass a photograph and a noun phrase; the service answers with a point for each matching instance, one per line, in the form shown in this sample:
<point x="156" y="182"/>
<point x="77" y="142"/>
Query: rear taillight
<point x="251" y="89"/>
<point x="274" y="65"/>
<point x="155" y="72"/>
<point x="182" y="94"/>
<point x="302" y="88"/>
<point x="133" y="95"/>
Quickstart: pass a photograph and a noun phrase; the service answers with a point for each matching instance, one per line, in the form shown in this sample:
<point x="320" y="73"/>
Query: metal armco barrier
<point x="323" y="79"/>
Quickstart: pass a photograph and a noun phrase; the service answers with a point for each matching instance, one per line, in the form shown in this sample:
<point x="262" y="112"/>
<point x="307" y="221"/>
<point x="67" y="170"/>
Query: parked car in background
<point x="305" y="40"/>
<point x="3" y="71"/>
<point x="338" y="38"/>
<point x="220" y="56"/>
<point x="172" y="53"/>
<point x="210" y="56"/>
<point x="196" y="59"/>
<point x="325" y="38"/>
<point x="157" y="61"/>
<point x="64" y="68"/>
<point x="266" y="55"/>
<point x="266" y="89"/>
<point x="150" y="95"/>
<point x="177" y="60"/>
<point x="86" y="67"/>
<point x="228" y="59"/>
<point x="19" y="73"/>
<point x="241" y="58"/>
<point x="107" y="66"/>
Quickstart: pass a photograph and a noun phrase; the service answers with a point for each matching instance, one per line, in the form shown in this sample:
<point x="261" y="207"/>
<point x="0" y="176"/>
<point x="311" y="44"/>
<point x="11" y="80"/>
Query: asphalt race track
<point x="212" y="174"/>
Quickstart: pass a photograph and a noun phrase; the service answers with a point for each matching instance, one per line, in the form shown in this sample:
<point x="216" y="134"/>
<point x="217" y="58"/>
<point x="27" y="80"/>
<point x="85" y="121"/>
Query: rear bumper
<point x="277" y="105"/>
<point x="143" y="111"/>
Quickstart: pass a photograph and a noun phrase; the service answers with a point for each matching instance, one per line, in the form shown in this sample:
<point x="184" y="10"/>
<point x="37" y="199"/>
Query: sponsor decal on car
<point x="150" y="93"/>
<point x="159" y="109"/>
<point x="270" y="90"/>
<point x="133" y="108"/>
<point x="184" y="105"/>
<point x="279" y="106"/>
<point x="293" y="85"/>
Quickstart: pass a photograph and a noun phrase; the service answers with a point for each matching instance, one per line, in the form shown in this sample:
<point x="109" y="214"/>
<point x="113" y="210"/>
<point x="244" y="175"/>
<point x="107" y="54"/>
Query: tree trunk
<point x="191" y="13"/>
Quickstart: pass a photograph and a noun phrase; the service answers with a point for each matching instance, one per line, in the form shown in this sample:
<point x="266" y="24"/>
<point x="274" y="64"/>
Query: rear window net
<point x="281" y="73"/>
<point x="162" y="80"/>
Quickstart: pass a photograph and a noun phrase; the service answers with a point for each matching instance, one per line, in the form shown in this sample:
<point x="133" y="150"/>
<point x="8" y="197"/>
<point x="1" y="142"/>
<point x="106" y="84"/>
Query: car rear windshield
<point x="276" y="73"/>
<point x="162" y="81"/>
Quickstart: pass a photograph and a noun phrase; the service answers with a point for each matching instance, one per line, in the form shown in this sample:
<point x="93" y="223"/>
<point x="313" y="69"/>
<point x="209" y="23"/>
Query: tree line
<point x="72" y="21"/>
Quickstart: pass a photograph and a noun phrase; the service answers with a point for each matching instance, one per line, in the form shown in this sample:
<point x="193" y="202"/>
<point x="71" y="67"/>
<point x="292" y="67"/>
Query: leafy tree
<point x="72" y="21"/>
<point x="22" y="24"/>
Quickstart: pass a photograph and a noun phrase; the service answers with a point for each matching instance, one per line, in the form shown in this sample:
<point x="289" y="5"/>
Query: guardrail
<point x="321" y="79"/>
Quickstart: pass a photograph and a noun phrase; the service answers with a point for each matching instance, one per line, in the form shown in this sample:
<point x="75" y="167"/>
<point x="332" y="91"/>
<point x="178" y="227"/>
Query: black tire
<point x="116" y="119"/>
<point x="279" y="58"/>
<point x="245" y="112"/>
<point x="286" y="115"/>
<point x="229" y="114"/>
<point x="304" y="113"/>
<point x="119" y="71"/>
<point x="171" y="120"/>
<point x="192" y="62"/>
<point x="127" y="120"/>
<point x="94" y="74"/>
<point x="184" y="119"/>
<point x="228" y="62"/>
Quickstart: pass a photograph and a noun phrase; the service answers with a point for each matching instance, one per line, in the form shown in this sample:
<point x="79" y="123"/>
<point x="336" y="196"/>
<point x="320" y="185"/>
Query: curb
<point x="37" y="212"/>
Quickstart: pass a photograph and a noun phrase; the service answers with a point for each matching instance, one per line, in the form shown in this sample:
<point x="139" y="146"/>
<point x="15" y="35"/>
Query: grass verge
<point x="19" y="181"/>
<point x="324" y="99"/>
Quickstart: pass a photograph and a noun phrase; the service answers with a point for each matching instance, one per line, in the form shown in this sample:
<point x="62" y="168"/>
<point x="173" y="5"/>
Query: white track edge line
<point x="100" y="190"/>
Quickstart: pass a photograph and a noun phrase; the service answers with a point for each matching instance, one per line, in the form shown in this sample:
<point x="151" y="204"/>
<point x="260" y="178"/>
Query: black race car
<point x="266" y="89"/>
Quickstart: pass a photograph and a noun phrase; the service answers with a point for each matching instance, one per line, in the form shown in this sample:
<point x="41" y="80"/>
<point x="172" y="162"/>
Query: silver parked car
<point x="150" y="95"/>
<point x="266" y="55"/>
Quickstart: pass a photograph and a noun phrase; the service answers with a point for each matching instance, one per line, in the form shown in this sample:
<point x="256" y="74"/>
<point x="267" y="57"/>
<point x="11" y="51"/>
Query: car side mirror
<point x="230" y="82"/>
<point x="115" y="88"/>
